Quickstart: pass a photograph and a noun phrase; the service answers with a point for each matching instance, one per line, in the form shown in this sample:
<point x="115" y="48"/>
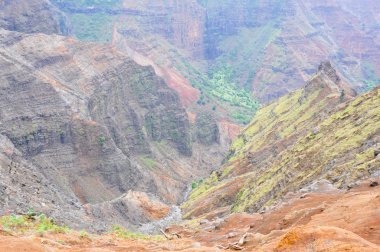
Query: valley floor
<point x="326" y="220"/>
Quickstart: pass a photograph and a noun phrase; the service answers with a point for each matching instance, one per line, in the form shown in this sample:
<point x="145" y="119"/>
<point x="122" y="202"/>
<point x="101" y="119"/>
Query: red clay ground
<point x="334" y="221"/>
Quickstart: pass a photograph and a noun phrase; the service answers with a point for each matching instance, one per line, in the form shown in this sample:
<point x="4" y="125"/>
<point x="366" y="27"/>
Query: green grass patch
<point x="123" y="233"/>
<point x="23" y="223"/>
<point x="148" y="162"/>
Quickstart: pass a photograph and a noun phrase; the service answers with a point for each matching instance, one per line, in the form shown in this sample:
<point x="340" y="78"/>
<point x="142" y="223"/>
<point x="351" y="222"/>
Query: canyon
<point x="75" y="117"/>
<point x="218" y="125"/>
<point x="79" y="114"/>
<point x="270" y="47"/>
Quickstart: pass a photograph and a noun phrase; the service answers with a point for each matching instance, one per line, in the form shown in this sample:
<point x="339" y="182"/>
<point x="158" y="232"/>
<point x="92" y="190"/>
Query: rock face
<point x="24" y="187"/>
<point x="284" y="40"/>
<point x="132" y="207"/>
<point x="180" y="22"/>
<point x="207" y="130"/>
<point x="272" y="47"/>
<point x="32" y="17"/>
<point x="316" y="133"/>
<point x="86" y="116"/>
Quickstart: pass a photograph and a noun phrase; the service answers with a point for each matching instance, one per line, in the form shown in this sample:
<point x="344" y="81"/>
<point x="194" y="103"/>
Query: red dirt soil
<point x="332" y="221"/>
<point x="232" y="130"/>
<point x="182" y="86"/>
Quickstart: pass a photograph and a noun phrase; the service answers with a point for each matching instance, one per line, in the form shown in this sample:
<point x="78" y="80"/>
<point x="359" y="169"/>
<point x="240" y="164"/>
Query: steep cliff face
<point x="86" y="116"/>
<point x="227" y="18"/>
<point x="23" y="187"/>
<point x="168" y="35"/>
<point x="335" y="30"/>
<point x="180" y="22"/>
<point x="267" y="47"/>
<point x="32" y="16"/>
<point x="273" y="46"/>
<point x="319" y="132"/>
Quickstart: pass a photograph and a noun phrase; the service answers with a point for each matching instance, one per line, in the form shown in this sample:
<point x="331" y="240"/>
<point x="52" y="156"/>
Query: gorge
<point x="203" y="120"/>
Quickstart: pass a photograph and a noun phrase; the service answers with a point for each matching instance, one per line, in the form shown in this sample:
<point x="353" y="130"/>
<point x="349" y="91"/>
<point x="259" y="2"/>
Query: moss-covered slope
<point x="319" y="132"/>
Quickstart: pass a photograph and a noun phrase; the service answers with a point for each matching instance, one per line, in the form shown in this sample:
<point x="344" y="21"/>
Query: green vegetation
<point x="242" y="117"/>
<point x="12" y="222"/>
<point x="23" y="223"/>
<point x="102" y="140"/>
<point x="40" y="224"/>
<point x="221" y="86"/>
<point x="84" y="235"/>
<point x="123" y="233"/>
<point x="195" y="184"/>
<point x="93" y="20"/>
<point x="341" y="136"/>
<point x="312" y="147"/>
<point x="47" y="224"/>
<point x="61" y="132"/>
<point x="201" y="189"/>
<point x="230" y="79"/>
<point x="148" y="162"/>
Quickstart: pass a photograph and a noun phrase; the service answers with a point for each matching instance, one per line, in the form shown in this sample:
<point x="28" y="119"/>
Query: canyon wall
<point x="95" y="125"/>
<point x="84" y="120"/>
<point x="32" y="16"/>
<point x="271" y="47"/>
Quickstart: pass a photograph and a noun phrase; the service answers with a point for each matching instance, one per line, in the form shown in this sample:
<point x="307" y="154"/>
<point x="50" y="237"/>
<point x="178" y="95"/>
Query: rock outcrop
<point x="207" y="130"/>
<point x="23" y="187"/>
<point x="180" y="22"/>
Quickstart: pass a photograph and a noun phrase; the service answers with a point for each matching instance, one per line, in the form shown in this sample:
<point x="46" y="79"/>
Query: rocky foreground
<point x="324" y="220"/>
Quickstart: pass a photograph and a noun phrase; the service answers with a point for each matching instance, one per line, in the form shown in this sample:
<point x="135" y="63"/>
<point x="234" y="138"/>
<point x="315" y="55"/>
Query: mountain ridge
<point x="305" y="136"/>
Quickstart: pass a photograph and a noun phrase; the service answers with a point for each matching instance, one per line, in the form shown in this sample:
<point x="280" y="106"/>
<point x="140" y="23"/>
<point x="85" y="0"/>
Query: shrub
<point x="194" y="185"/>
<point x="102" y="139"/>
<point x="47" y="224"/>
<point x="14" y="222"/>
<point x="84" y="235"/>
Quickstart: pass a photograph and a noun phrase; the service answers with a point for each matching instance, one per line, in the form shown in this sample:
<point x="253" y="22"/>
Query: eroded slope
<point x="314" y="133"/>
<point x="324" y="220"/>
<point x="97" y="125"/>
